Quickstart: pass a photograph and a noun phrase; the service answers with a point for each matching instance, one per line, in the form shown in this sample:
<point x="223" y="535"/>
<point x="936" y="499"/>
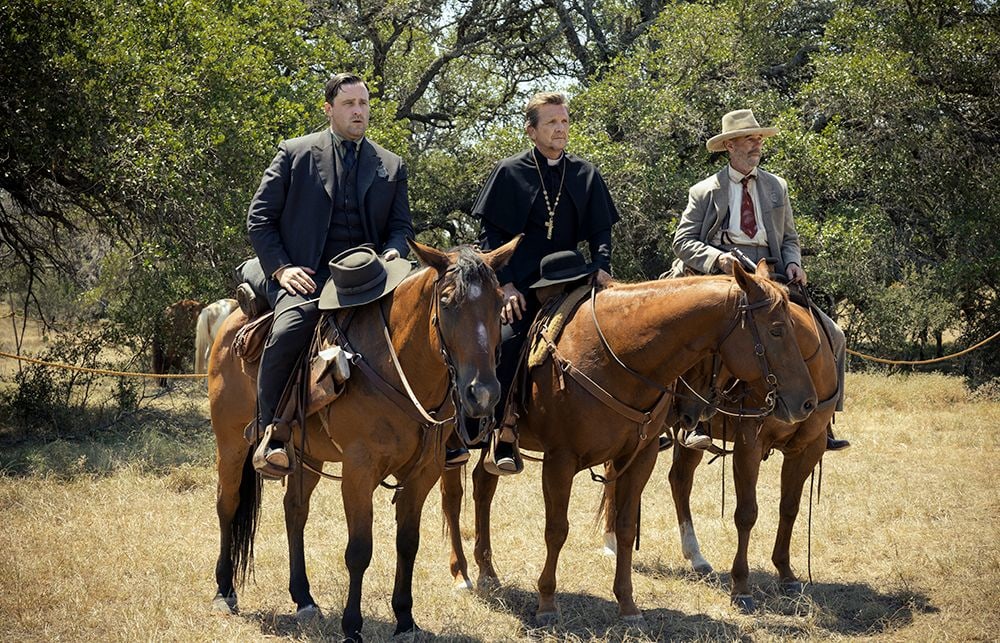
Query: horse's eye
<point x="778" y="330"/>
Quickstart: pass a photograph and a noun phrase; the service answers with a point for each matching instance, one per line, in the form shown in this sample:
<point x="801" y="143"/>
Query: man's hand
<point x="390" y="254"/>
<point x="513" y="304"/>
<point x="296" y="280"/>
<point x="795" y="274"/>
<point x="725" y="262"/>
<point x="603" y="278"/>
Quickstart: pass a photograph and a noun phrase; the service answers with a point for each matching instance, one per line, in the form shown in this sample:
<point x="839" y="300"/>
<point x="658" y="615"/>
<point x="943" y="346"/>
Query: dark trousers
<point x="294" y="323"/>
<point x="512" y="340"/>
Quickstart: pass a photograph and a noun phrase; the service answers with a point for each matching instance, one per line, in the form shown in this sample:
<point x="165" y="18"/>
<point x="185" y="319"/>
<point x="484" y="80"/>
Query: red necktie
<point x="748" y="222"/>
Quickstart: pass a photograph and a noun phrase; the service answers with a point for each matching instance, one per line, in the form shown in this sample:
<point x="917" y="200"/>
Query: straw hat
<point x="736" y="124"/>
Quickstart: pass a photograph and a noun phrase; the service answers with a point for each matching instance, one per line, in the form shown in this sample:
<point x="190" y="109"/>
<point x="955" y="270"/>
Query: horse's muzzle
<point x="480" y="396"/>
<point x="789" y="415"/>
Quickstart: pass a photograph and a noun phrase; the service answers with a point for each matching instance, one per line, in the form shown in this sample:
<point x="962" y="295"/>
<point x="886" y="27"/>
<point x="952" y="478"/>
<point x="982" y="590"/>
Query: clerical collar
<point x="736" y="176"/>
<point x="550" y="162"/>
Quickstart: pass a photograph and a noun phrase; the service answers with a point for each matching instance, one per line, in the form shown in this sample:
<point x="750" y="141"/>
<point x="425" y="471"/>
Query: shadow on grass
<point x="167" y="430"/>
<point x="585" y="617"/>
<point x="847" y="609"/>
<point x="327" y="628"/>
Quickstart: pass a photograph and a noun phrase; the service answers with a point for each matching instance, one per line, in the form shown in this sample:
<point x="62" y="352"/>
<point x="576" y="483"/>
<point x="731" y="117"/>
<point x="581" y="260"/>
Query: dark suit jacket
<point x="289" y="216"/>
<point x="708" y="209"/>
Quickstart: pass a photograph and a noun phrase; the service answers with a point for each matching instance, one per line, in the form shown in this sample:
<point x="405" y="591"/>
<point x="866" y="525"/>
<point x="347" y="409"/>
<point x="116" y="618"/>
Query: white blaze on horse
<point x="209" y="322"/>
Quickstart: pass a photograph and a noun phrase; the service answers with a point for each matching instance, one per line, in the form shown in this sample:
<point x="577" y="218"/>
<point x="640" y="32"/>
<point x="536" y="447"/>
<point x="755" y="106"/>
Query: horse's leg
<point x="746" y="467"/>
<point x="628" y="493"/>
<point x="610" y="514"/>
<point x="298" y="491"/>
<point x="795" y="470"/>
<point x="409" y="508"/>
<point x="236" y="502"/>
<point x="557" y="481"/>
<point x="484" y="487"/>
<point x="681" y="477"/>
<point x="357" y="488"/>
<point x="451" y="506"/>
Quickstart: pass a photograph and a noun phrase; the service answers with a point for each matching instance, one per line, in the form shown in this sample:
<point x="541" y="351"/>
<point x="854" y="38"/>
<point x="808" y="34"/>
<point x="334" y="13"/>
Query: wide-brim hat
<point x="563" y="266"/>
<point x="360" y="276"/>
<point x="735" y="124"/>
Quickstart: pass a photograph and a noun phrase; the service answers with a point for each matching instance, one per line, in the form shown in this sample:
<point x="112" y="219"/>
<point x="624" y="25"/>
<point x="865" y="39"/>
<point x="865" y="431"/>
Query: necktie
<point x="349" y="156"/>
<point x="748" y="222"/>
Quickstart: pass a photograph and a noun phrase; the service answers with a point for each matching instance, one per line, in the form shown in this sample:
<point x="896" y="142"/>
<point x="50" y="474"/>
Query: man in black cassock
<point x="557" y="200"/>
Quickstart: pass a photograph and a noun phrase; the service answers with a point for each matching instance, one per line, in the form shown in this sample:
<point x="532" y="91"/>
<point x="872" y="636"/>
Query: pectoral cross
<point x="549" y="225"/>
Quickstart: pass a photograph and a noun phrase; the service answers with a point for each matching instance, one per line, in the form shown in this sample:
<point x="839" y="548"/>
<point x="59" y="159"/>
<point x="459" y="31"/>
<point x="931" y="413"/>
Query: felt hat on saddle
<point x="735" y="124"/>
<point x="360" y="276"/>
<point x="563" y="266"/>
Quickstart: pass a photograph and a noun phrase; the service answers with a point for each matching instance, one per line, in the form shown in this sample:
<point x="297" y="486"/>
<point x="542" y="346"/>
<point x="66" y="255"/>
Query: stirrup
<point x="276" y="463"/>
<point x="699" y="441"/>
<point x="507" y="464"/>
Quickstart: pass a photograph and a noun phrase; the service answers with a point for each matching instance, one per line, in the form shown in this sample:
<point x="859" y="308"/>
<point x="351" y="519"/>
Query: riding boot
<point x="832" y="443"/>
<point x="455" y="453"/>
<point x="698" y="438"/>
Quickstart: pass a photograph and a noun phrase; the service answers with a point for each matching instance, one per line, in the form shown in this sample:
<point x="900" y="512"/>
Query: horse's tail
<point x="244" y="525"/>
<point x="607" y="503"/>
<point x="202" y="341"/>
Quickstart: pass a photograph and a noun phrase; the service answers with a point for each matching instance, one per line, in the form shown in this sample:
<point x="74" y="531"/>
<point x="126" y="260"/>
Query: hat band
<point x="368" y="285"/>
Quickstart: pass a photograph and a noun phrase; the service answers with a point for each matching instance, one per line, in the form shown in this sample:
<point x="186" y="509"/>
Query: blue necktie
<point x="349" y="156"/>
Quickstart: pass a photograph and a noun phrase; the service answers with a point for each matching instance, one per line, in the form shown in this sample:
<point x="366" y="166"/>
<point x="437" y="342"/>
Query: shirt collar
<point x="338" y="139"/>
<point x="736" y="177"/>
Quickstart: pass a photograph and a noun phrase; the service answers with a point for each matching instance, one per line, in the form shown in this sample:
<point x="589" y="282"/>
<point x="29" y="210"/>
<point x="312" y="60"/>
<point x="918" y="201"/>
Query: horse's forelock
<point x="777" y="293"/>
<point x="467" y="270"/>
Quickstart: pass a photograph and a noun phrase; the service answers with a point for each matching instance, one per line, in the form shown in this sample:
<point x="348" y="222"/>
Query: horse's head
<point x="467" y="312"/>
<point x="765" y="346"/>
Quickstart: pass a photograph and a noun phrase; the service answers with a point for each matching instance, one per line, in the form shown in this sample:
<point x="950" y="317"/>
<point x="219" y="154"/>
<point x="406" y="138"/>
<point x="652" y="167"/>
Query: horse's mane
<point x="777" y="293"/>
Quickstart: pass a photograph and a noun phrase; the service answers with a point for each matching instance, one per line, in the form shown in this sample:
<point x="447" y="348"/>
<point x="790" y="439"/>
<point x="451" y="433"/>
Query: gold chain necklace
<point x="551" y="209"/>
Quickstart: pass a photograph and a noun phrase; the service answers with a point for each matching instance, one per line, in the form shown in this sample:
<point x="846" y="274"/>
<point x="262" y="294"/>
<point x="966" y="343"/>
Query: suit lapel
<point x="368" y="163"/>
<point x="721" y="201"/>
<point x="322" y="151"/>
<point x="766" y="194"/>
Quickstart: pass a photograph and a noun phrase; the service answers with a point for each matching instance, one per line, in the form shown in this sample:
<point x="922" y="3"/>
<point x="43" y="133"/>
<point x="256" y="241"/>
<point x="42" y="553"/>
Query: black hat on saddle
<point x="360" y="276"/>
<point x="560" y="267"/>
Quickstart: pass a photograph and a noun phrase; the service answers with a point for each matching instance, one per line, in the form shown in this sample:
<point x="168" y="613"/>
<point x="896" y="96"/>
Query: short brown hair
<point x="539" y="99"/>
<point x="344" y="78"/>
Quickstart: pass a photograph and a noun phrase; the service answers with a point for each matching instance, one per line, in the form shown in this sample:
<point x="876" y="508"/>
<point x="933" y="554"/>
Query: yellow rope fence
<point x="919" y="362"/>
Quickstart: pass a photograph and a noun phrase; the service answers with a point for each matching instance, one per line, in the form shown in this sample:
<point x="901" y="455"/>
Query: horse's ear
<point x="762" y="269"/>
<point x="497" y="259"/>
<point x="429" y="256"/>
<point x="744" y="279"/>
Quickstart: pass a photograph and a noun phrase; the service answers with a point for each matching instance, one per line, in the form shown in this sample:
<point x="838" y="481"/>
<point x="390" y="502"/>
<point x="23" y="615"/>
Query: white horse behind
<point x="209" y="322"/>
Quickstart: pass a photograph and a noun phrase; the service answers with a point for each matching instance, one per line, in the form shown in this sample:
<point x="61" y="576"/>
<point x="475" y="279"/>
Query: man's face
<point x="552" y="132"/>
<point x="349" y="113"/>
<point x="744" y="152"/>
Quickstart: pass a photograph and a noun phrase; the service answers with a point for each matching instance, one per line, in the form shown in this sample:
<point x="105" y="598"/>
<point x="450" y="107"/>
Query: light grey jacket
<point x="708" y="210"/>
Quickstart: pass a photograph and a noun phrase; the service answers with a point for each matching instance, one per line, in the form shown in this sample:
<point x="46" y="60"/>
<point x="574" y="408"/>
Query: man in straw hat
<point x="323" y="194"/>
<point x="745" y="208"/>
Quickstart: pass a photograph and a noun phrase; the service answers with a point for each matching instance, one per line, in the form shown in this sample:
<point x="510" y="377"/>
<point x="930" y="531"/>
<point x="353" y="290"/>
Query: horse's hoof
<point x="308" y="614"/>
<point x="791" y="588"/>
<point x="546" y="619"/>
<point x="634" y="619"/>
<point x="224" y="604"/>
<point x="744" y="603"/>
<point x="462" y="585"/>
<point x="703" y="569"/>
<point x="488" y="583"/>
<point x="412" y="633"/>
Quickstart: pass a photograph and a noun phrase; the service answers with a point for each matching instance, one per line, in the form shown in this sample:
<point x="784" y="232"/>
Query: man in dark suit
<point x="323" y="193"/>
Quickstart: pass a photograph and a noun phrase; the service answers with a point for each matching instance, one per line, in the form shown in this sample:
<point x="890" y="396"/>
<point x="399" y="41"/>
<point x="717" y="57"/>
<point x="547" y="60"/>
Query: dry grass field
<point x="114" y="538"/>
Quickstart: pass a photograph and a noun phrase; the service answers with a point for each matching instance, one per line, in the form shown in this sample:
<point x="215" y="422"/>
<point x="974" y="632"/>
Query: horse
<point x="209" y="322"/>
<point x="661" y="329"/>
<point x="801" y="444"/>
<point x="444" y="326"/>
<point x="172" y="334"/>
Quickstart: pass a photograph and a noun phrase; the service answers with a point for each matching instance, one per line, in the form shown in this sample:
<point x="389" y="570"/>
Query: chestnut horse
<point x="802" y="445"/>
<point x="658" y="330"/>
<point x="444" y="327"/>
<point x="173" y="336"/>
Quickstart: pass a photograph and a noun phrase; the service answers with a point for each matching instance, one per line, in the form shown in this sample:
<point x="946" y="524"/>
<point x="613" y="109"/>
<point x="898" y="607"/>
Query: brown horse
<point x="658" y="330"/>
<point x="802" y="445"/>
<point x="444" y="327"/>
<point x="173" y="337"/>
